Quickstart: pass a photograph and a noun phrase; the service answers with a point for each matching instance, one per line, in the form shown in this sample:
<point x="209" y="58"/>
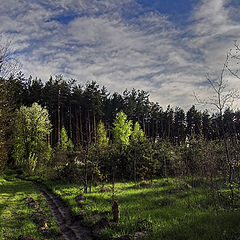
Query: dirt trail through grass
<point x="70" y="227"/>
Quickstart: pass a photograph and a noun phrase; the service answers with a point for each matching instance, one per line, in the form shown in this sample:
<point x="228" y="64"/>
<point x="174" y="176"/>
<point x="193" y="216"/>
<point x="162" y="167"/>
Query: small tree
<point x="94" y="152"/>
<point x="137" y="134"/>
<point x="137" y="138"/>
<point x="30" y="147"/>
<point x="122" y="130"/>
<point x="102" y="139"/>
<point x="64" y="144"/>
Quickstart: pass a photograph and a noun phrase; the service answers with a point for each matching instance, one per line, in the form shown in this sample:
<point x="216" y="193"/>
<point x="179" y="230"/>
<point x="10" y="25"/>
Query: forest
<point x="88" y="112"/>
<point x="63" y="132"/>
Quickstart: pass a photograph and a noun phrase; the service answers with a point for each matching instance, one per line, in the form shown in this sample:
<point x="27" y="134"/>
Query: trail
<point x="71" y="228"/>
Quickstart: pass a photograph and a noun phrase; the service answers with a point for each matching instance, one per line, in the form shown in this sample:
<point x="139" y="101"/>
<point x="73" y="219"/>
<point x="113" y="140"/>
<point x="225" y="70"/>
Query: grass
<point x="15" y="214"/>
<point x="168" y="209"/>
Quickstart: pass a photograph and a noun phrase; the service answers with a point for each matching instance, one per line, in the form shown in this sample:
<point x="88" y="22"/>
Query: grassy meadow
<point x="166" y="208"/>
<point x="15" y="212"/>
<point x="170" y="208"/>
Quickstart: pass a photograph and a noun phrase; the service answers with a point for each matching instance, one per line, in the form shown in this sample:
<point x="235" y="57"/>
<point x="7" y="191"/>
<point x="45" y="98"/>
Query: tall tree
<point x="92" y="109"/>
<point x="179" y="126"/>
<point x="222" y="98"/>
<point x="167" y="125"/>
<point x="30" y="147"/>
<point x="193" y="119"/>
<point x="206" y="125"/>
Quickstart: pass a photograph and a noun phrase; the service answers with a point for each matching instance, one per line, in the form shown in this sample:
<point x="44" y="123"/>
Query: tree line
<point x="174" y="141"/>
<point x="79" y="108"/>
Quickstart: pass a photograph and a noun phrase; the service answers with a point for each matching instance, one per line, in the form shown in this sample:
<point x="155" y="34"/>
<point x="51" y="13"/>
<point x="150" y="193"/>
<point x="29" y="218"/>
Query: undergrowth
<point x="165" y="208"/>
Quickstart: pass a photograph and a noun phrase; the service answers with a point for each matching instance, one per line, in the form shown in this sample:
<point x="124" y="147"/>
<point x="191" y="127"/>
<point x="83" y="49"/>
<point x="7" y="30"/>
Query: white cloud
<point x="99" y="43"/>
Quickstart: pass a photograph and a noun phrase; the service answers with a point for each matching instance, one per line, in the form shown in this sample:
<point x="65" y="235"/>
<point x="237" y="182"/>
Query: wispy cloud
<point x="120" y="45"/>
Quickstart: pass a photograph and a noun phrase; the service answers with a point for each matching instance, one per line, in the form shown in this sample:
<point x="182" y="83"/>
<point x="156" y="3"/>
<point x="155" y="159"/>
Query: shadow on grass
<point x="223" y="226"/>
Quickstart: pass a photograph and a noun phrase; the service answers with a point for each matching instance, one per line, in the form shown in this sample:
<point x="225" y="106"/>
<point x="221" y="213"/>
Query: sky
<point x="165" y="47"/>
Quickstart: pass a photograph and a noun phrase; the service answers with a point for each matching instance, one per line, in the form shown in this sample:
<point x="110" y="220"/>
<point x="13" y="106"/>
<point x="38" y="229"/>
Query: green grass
<point x="15" y="214"/>
<point x="169" y="209"/>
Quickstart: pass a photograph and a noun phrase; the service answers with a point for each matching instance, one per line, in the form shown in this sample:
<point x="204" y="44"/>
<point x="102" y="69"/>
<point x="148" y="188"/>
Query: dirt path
<point x="72" y="229"/>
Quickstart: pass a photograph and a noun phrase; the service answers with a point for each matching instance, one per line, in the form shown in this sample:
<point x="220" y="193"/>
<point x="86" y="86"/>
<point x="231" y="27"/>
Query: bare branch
<point x="222" y="96"/>
<point x="8" y="64"/>
<point x="235" y="74"/>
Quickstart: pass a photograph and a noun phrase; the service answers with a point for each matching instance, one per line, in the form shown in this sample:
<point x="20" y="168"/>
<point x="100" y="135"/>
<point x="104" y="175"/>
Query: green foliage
<point x="30" y="147"/>
<point x="166" y="208"/>
<point x="102" y="139"/>
<point x="122" y="130"/>
<point x="201" y="157"/>
<point x="64" y="144"/>
<point x="165" y="155"/>
<point x="5" y="121"/>
<point x="95" y="155"/>
<point x="137" y="134"/>
<point x="3" y="152"/>
<point x="140" y="158"/>
<point x="146" y="164"/>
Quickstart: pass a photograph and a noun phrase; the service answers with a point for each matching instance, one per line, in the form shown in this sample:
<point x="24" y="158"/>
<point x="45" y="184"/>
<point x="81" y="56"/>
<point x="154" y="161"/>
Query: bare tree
<point x="234" y="55"/>
<point x="223" y="97"/>
<point x="8" y="63"/>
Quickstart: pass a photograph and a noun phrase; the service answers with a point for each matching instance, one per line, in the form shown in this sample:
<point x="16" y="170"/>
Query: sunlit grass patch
<point x="15" y="214"/>
<point x="166" y="208"/>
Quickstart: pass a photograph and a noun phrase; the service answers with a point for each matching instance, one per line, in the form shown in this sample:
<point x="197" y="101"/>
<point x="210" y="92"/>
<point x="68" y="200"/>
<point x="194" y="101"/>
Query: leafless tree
<point x="223" y="97"/>
<point x="8" y="63"/>
<point x="234" y="55"/>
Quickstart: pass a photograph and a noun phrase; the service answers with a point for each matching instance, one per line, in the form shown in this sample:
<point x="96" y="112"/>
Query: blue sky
<point x="165" y="47"/>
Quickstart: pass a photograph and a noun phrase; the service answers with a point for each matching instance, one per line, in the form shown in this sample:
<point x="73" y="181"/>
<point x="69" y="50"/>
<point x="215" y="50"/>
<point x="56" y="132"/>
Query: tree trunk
<point x="144" y="129"/>
<point x="77" y="129"/>
<point x="135" y="168"/>
<point x="89" y="129"/>
<point x="62" y="116"/>
<point x="85" y="173"/>
<point x="70" y="121"/>
<point x="81" y="127"/>
<point x="94" y="126"/>
<point x="58" y="118"/>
